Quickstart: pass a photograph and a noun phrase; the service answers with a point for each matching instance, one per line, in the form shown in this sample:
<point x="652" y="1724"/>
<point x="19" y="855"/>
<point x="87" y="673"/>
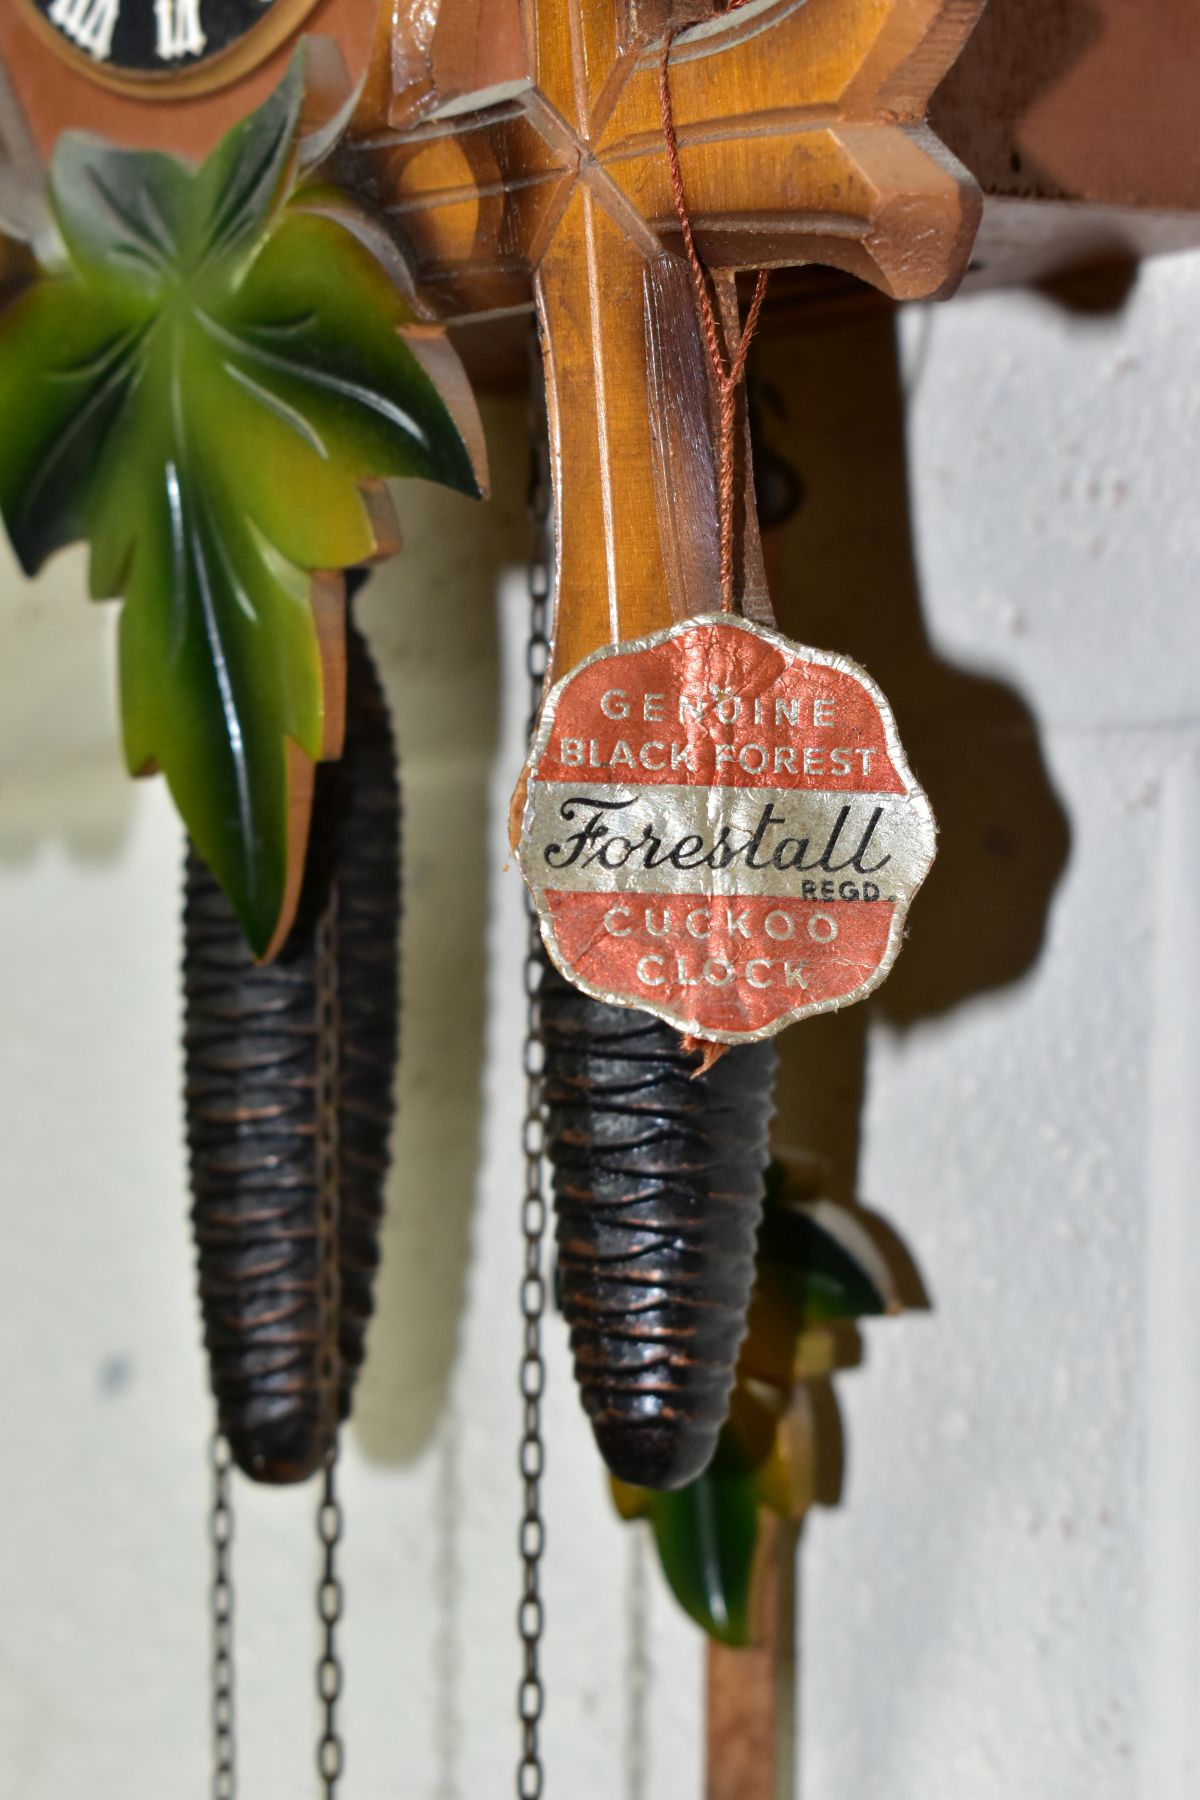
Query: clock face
<point x="149" y="40"/>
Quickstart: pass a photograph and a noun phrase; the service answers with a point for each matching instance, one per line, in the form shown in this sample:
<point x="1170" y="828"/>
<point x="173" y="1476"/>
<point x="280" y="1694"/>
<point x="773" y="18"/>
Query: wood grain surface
<point x="518" y="148"/>
<point x="751" y="1693"/>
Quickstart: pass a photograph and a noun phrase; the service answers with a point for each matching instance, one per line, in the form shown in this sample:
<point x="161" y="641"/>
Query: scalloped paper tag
<point x="719" y="826"/>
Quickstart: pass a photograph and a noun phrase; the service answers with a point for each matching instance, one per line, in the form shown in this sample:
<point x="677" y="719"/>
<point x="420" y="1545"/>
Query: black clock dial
<point x="154" y="37"/>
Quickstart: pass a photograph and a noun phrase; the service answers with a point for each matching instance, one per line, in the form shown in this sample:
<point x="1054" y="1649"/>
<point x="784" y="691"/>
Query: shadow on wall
<point x="430" y="618"/>
<point x="832" y="406"/>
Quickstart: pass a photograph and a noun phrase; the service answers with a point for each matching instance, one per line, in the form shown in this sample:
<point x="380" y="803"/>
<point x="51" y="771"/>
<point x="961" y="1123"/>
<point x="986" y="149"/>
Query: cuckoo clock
<point x="210" y="363"/>
<point x="217" y="364"/>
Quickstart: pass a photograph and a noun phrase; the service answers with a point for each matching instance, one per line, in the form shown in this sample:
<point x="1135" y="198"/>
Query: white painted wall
<point x="1007" y="1604"/>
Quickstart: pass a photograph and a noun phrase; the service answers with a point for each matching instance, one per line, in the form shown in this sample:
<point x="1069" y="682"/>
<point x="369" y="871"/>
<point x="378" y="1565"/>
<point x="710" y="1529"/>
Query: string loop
<point x="728" y="376"/>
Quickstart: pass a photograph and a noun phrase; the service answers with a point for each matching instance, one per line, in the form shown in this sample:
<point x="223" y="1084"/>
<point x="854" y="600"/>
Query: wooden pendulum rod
<point x="751" y="1693"/>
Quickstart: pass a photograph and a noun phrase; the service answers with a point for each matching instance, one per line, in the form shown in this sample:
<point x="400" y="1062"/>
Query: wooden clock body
<point x="184" y="110"/>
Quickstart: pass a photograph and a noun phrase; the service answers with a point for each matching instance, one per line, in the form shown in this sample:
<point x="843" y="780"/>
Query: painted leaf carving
<point x="208" y="389"/>
<point x="706" y="1535"/>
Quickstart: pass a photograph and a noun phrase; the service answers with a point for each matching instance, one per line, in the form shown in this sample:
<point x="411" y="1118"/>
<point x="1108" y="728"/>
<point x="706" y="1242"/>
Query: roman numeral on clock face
<point x="89" y="23"/>
<point x="179" y="28"/>
<point x="170" y="45"/>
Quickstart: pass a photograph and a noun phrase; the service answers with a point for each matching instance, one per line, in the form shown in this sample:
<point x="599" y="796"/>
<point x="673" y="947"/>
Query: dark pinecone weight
<point x="282" y="1358"/>
<point x="658" y="1189"/>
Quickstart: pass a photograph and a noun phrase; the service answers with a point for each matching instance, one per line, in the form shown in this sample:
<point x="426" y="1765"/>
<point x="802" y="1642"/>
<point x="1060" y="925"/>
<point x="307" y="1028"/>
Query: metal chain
<point x="224" y="1770"/>
<point x="532" y="1538"/>
<point x="331" y="1752"/>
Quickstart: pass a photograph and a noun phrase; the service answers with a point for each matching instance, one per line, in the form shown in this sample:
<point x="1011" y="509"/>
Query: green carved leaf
<point x="201" y="391"/>
<point x="706" y="1535"/>
<point x="817" y="1265"/>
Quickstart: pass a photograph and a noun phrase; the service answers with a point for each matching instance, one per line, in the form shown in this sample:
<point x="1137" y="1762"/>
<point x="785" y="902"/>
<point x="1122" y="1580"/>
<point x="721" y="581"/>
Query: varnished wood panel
<point x="542" y="177"/>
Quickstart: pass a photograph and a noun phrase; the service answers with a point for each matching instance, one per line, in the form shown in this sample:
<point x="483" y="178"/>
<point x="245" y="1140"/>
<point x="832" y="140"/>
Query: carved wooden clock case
<point x="508" y="207"/>
<point x="162" y="73"/>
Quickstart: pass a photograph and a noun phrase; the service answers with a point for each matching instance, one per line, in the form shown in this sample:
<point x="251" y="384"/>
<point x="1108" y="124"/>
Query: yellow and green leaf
<point x="205" y="390"/>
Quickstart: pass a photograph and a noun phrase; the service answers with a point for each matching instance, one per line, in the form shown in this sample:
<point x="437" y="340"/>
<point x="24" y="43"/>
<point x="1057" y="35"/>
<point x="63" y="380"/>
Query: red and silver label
<point x="720" y="827"/>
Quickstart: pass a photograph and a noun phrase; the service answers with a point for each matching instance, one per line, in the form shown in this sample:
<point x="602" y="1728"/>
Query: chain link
<point x="224" y="1769"/>
<point x="331" y="1751"/>
<point x="532" y="1462"/>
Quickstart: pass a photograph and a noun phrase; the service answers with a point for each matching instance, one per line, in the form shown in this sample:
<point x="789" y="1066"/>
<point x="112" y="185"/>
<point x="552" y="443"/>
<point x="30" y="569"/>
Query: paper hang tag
<point x="719" y="827"/>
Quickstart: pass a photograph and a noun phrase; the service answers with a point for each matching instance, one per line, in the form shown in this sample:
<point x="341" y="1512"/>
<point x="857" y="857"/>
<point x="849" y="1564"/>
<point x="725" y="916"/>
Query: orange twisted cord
<point x="728" y="378"/>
